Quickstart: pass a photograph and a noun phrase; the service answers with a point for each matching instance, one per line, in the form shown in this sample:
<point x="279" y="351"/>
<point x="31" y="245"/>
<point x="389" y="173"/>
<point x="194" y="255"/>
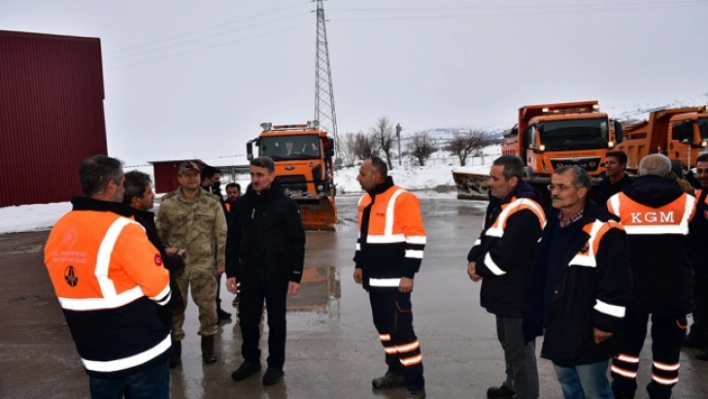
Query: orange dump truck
<point x="303" y="166"/>
<point x="679" y="133"/>
<point x="548" y="136"/>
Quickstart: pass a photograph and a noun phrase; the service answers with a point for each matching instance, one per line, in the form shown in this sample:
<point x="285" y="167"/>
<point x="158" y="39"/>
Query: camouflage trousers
<point x="204" y="294"/>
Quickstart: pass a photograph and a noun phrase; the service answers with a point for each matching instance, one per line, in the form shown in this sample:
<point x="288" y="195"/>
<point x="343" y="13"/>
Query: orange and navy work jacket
<point x="109" y="280"/>
<point x="391" y="237"/>
<point x="657" y="217"/>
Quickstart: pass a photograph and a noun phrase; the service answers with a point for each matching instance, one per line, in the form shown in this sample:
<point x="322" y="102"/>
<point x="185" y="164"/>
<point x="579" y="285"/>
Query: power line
<point x="616" y="4"/>
<point x="514" y="14"/>
<point x="209" y="28"/>
<point x="210" y="47"/>
<point x="199" y="38"/>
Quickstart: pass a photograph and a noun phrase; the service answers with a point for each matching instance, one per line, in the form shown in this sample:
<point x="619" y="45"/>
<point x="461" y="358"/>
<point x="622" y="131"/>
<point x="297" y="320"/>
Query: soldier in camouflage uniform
<point x="193" y="219"/>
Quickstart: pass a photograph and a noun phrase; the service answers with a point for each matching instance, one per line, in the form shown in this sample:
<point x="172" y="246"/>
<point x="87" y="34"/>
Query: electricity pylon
<point x="324" y="94"/>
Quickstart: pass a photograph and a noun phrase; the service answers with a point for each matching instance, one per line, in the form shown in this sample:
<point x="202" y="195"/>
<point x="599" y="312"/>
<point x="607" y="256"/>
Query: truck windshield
<point x="703" y="126"/>
<point x="290" y="147"/>
<point x="577" y="134"/>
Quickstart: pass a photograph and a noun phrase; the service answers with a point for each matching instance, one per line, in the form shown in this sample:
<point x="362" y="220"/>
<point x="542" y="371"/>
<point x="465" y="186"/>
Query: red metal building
<point x="166" y="173"/>
<point x="51" y="114"/>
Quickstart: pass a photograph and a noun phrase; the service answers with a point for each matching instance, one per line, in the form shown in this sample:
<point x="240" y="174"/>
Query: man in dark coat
<point x="581" y="286"/>
<point x="211" y="183"/>
<point x="265" y="252"/>
<point x="140" y="199"/>
<point x="616" y="179"/>
<point x="502" y="257"/>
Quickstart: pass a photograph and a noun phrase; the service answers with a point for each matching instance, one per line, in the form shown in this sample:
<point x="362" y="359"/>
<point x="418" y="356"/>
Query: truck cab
<point x="549" y="136"/>
<point x="303" y="155"/>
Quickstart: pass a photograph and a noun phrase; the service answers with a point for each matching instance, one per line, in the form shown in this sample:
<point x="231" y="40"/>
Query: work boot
<point x="208" y="354"/>
<point x="416" y="394"/>
<point x="245" y="370"/>
<point x="388" y="381"/>
<point x="176" y="357"/>
<point x="222" y="315"/>
<point x="500" y="393"/>
<point x="702" y="354"/>
<point x="272" y="376"/>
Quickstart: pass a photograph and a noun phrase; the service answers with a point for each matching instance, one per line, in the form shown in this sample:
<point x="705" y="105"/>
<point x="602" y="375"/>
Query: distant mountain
<point x="641" y="111"/>
<point x="446" y="134"/>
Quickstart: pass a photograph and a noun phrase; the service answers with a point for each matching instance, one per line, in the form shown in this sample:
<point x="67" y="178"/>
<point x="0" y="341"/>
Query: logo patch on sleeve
<point x="158" y="260"/>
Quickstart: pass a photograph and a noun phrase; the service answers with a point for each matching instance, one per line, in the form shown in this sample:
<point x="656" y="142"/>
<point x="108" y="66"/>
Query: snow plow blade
<point x="471" y="186"/>
<point x="317" y="213"/>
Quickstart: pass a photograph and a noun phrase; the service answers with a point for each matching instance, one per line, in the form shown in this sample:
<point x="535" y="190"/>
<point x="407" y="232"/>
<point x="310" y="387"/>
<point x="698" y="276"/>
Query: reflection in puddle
<point x="320" y="291"/>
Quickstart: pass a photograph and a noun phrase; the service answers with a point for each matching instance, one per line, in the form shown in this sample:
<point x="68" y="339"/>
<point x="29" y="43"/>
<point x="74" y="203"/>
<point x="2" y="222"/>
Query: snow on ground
<point x="422" y="179"/>
<point x="31" y="217"/>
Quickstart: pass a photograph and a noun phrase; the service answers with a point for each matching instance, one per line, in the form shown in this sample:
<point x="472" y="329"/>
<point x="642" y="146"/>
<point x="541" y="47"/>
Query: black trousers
<point x="275" y="293"/>
<point x="699" y="328"/>
<point x="393" y="318"/>
<point x="667" y="334"/>
<point x="218" y="296"/>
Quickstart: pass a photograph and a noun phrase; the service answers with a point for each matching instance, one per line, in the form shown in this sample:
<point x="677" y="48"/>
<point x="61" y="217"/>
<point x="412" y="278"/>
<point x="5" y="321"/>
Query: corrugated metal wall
<point x="51" y="115"/>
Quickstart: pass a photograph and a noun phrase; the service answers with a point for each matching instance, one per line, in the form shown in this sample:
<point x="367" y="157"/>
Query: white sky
<point x="227" y="66"/>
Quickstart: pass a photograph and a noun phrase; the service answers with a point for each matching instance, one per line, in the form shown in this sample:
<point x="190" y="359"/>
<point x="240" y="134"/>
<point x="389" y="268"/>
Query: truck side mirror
<point x="330" y="147"/>
<point x="249" y="150"/>
<point x="619" y="133"/>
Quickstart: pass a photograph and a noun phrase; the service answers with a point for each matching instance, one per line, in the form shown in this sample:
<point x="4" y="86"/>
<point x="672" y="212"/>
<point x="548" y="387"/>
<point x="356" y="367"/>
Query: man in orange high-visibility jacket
<point x="656" y="214"/>
<point x="389" y="251"/>
<point x="110" y="282"/>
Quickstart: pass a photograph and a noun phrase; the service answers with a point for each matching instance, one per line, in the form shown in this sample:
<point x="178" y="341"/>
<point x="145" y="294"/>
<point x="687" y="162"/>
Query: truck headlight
<point x="542" y="148"/>
<point x="611" y="144"/>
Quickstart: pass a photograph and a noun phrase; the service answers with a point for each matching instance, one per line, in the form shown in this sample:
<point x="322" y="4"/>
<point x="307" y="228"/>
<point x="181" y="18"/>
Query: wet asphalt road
<point x="332" y="350"/>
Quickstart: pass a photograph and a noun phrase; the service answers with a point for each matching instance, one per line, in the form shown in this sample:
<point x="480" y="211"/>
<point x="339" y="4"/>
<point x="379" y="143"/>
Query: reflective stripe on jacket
<point x="391" y="237"/>
<point x="658" y="216"/>
<point x="504" y="252"/>
<point x="592" y="290"/>
<point x="109" y="280"/>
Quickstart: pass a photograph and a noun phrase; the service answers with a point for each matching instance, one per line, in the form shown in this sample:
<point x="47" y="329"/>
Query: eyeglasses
<point x="560" y="187"/>
<point x="701" y="170"/>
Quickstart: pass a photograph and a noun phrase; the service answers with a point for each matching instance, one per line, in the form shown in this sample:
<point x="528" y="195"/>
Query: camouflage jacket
<point x="199" y="226"/>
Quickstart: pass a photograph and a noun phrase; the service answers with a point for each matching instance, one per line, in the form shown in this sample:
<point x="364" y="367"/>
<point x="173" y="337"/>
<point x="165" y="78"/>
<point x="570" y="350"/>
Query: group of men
<point x="589" y="276"/>
<point x="123" y="274"/>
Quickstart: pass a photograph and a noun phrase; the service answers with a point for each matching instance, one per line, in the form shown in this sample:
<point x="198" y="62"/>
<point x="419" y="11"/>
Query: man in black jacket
<point x="265" y="252"/>
<point x="581" y="285"/>
<point x="698" y="337"/>
<point x="656" y="214"/>
<point x="502" y="257"/>
<point x="211" y="183"/>
<point x="615" y="179"/>
<point x="140" y="199"/>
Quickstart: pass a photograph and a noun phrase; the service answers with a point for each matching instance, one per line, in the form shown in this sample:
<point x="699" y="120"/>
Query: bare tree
<point x="365" y="146"/>
<point x="347" y="149"/>
<point x="463" y="144"/>
<point x="421" y="146"/>
<point x="383" y="135"/>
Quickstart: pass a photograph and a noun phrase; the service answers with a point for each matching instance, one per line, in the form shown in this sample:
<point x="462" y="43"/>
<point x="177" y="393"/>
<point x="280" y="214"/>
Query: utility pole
<point x="398" y="134"/>
<point x="324" y="93"/>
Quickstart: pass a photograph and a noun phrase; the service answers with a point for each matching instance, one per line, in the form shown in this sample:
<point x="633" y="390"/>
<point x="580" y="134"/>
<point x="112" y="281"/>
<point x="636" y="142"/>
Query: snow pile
<point x="15" y="219"/>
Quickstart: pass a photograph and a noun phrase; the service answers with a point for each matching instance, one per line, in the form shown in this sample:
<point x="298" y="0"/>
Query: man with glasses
<point x="698" y="338"/>
<point x="615" y="178"/>
<point x="581" y="285"/>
